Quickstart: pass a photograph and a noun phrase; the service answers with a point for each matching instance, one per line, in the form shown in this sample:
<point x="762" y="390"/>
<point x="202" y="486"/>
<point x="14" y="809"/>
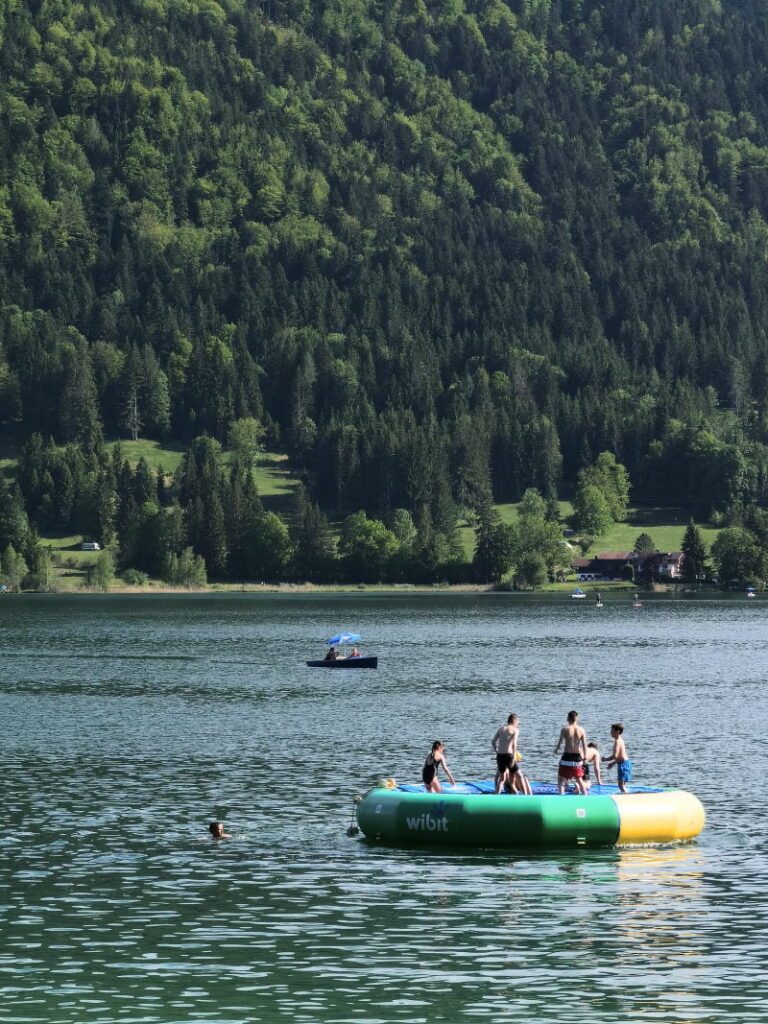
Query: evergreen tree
<point x="163" y="534"/>
<point x="644" y="545"/>
<point x="131" y="386"/>
<point x="314" y="551"/>
<point x="144" y="483"/>
<point x="494" y="546"/>
<point x="694" y="566"/>
<point x="203" y="493"/>
<point x="156" y="397"/>
<point x="14" y="524"/>
<point x="552" y="514"/>
<point x="78" y="411"/>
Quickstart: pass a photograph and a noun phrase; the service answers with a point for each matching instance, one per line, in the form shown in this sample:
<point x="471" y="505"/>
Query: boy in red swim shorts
<point x="573" y="740"/>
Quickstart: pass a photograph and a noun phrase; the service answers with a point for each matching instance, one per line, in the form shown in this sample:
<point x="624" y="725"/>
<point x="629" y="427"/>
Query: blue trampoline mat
<point x="539" y="788"/>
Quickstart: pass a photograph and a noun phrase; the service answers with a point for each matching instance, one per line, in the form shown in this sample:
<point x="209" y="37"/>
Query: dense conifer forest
<point x="440" y="253"/>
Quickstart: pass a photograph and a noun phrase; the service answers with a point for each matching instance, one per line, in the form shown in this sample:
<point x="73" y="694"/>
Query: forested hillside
<point x="442" y="251"/>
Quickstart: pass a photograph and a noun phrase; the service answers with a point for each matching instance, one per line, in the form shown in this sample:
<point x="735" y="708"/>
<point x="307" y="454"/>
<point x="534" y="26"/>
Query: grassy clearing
<point x="67" y="546"/>
<point x="153" y="452"/>
<point x="70" y="563"/>
<point x="666" y="524"/>
<point x="274" y="480"/>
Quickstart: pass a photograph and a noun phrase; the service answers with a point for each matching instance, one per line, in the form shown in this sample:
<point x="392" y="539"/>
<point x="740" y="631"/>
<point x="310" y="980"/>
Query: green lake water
<point x="130" y="722"/>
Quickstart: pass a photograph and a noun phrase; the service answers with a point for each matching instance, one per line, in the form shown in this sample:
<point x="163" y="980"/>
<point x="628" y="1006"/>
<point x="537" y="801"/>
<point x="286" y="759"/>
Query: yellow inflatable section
<point x="658" y="817"/>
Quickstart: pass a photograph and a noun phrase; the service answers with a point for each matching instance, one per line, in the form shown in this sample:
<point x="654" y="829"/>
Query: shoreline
<point x="618" y="588"/>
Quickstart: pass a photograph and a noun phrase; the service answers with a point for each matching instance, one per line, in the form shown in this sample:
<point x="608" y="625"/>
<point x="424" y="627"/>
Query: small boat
<point x="472" y="814"/>
<point x="359" y="662"/>
<point x="750" y="591"/>
<point x="577" y="593"/>
<point x="353" y="660"/>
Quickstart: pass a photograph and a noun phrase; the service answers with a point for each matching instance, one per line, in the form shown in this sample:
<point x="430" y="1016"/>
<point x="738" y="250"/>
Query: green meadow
<point x="665" y="524"/>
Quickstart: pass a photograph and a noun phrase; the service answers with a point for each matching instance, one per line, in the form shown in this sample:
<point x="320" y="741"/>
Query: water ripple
<point x="121" y="745"/>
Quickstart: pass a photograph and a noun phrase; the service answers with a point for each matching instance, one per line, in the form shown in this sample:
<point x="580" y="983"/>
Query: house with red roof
<point x="609" y="565"/>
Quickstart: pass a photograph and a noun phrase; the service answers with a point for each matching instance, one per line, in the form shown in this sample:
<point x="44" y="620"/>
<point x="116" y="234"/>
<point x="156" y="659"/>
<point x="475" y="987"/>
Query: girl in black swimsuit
<point x="434" y="759"/>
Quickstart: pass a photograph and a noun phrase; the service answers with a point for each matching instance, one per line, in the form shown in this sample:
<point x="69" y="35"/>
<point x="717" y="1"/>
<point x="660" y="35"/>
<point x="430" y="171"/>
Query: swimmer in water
<point x="216" y="828"/>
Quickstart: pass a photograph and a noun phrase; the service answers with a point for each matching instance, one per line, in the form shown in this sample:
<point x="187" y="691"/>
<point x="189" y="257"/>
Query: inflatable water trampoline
<point x="472" y="814"/>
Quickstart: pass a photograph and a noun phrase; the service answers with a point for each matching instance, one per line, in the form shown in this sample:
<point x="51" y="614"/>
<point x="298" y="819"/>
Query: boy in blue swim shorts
<point x="618" y="757"/>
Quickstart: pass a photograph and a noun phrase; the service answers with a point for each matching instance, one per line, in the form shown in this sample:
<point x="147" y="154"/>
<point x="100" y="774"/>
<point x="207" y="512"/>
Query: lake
<point x="130" y="722"/>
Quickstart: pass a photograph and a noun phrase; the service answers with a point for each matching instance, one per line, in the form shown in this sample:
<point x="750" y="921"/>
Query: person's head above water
<point x="216" y="828"/>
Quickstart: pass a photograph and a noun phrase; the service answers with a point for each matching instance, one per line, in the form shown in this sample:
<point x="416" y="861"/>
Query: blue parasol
<point x="345" y="638"/>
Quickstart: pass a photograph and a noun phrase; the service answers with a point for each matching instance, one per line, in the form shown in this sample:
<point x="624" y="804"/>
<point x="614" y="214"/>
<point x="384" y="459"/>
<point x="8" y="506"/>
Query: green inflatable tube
<point x="447" y="819"/>
<point x="474" y="815"/>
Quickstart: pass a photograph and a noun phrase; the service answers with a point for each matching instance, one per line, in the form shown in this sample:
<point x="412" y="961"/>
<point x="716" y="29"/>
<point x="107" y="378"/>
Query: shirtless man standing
<point x="573" y="740"/>
<point x="504" y="745"/>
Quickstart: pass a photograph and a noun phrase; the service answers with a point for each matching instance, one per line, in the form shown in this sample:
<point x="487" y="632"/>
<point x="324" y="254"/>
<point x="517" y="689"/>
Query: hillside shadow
<point x="661" y="515"/>
<point x="10" y="446"/>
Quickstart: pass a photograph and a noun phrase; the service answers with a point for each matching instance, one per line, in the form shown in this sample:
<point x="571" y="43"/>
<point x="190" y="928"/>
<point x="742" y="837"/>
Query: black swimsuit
<point x="429" y="771"/>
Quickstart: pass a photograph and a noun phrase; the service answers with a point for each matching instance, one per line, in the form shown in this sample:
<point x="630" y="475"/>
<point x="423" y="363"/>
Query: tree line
<point x="444" y="254"/>
<point x="207" y="519"/>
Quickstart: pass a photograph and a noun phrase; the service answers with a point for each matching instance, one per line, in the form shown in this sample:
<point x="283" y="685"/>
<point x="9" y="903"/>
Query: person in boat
<point x="618" y="757"/>
<point x="216" y="828"/>
<point x="435" y="758"/>
<point x="504" y="744"/>
<point x="591" y="764"/>
<point x="573" y="740"/>
<point x="331" y="655"/>
<point x="355" y="653"/>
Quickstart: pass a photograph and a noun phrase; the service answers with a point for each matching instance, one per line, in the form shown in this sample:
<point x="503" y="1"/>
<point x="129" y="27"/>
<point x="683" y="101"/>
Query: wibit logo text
<point x="426" y="823"/>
